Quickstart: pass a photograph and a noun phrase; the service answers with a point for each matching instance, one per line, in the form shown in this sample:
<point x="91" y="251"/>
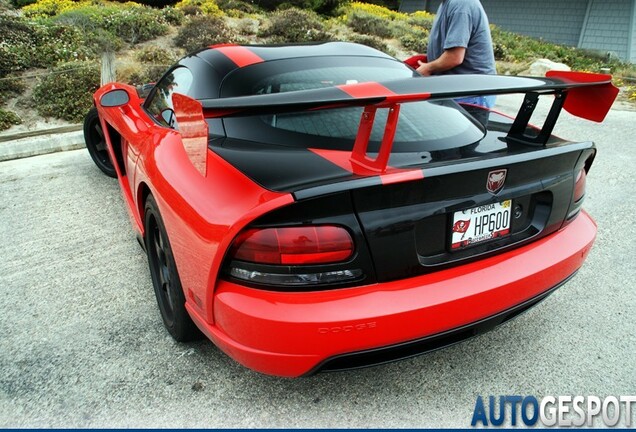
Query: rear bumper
<point x="292" y="334"/>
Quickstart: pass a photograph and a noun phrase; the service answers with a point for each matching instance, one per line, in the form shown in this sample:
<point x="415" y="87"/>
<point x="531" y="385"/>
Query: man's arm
<point x="451" y="58"/>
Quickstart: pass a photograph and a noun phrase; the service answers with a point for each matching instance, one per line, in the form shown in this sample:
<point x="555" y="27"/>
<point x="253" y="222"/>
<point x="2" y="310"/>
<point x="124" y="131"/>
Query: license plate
<point x="480" y="224"/>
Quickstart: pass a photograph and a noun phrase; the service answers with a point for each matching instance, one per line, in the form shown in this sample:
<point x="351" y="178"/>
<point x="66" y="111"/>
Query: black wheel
<point x="96" y="143"/>
<point x="165" y="278"/>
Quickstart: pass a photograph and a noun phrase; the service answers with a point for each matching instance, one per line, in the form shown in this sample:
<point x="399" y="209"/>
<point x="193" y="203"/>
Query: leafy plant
<point x="202" y="31"/>
<point x="415" y="39"/>
<point x="66" y="93"/>
<point x="29" y="44"/>
<point x="173" y="16"/>
<point x="154" y="55"/>
<point x="10" y="87"/>
<point x="238" y="7"/>
<point x="373" y="42"/>
<point x="327" y="7"/>
<point x="205" y="7"/>
<point x="362" y="22"/>
<point x="8" y="119"/>
<point x="295" y="25"/>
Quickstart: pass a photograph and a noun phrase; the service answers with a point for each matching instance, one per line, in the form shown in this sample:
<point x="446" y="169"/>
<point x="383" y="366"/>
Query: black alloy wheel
<point x="165" y="278"/>
<point x="96" y="143"/>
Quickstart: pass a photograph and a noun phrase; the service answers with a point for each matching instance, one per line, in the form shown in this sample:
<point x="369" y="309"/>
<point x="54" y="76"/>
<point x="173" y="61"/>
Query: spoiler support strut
<point x="517" y="133"/>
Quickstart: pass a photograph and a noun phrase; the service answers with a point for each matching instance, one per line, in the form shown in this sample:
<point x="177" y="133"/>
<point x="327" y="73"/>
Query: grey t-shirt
<point x="463" y="23"/>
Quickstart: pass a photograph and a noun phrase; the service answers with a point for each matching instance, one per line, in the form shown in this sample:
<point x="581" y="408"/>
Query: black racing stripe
<point x="221" y="63"/>
<point x="281" y="169"/>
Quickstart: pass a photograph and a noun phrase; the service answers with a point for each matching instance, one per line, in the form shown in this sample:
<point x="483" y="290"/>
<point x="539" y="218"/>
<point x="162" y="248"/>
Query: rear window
<point x="422" y="126"/>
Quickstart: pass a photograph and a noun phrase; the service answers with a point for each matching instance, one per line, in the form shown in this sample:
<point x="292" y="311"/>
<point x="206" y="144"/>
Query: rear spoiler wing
<point x="585" y="95"/>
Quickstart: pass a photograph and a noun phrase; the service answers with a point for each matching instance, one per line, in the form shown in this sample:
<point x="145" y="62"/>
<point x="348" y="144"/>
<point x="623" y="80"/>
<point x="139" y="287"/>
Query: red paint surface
<point x="591" y="103"/>
<point x="240" y="56"/>
<point x="288" y="334"/>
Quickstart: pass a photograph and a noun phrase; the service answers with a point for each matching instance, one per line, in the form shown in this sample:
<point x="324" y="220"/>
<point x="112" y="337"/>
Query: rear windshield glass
<point x="421" y="126"/>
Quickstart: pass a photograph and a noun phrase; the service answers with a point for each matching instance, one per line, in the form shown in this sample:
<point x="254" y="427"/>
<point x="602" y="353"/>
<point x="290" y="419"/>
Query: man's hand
<point x="451" y="58"/>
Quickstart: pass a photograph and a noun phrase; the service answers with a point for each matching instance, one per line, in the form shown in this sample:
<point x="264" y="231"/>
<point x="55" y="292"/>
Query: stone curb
<point x="41" y="144"/>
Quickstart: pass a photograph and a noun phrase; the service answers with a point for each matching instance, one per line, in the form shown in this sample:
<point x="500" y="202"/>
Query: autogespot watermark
<point x="562" y="411"/>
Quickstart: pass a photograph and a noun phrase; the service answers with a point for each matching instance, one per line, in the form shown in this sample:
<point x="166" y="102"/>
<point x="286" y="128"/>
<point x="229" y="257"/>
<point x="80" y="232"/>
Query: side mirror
<point x="115" y="98"/>
<point x="193" y="129"/>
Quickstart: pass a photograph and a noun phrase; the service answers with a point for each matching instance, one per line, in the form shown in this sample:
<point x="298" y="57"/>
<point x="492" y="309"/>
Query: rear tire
<point x="165" y="278"/>
<point x="96" y="143"/>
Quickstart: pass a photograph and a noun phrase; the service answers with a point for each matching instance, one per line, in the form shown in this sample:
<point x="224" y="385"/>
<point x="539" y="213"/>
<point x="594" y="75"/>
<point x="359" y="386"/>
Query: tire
<point x="165" y="278"/>
<point x="96" y="143"/>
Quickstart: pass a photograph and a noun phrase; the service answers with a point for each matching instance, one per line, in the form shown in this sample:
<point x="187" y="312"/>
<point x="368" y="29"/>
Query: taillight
<point x="579" y="186"/>
<point x="294" y="256"/>
<point x="577" y="195"/>
<point x="294" y="245"/>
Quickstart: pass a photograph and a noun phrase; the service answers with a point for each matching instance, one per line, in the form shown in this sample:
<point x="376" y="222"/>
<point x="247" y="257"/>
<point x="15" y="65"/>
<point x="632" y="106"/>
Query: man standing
<point x="460" y="43"/>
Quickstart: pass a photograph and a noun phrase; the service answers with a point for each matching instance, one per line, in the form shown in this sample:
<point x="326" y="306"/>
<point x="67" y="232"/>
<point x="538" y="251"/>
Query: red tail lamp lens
<point x="579" y="185"/>
<point x="294" y="245"/>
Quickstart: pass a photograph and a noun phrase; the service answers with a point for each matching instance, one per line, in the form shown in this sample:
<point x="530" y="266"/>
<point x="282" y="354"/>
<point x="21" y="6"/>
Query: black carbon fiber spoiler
<point x="585" y="95"/>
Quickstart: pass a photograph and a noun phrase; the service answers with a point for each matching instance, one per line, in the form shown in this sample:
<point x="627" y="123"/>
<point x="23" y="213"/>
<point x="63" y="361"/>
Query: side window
<point x="159" y="106"/>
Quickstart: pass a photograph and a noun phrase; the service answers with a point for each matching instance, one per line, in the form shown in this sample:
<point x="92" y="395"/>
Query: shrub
<point x="5" y="5"/>
<point x="238" y="7"/>
<point x="203" y="31"/>
<point x="153" y="3"/>
<point x="28" y="44"/>
<point x="630" y="91"/>
<point x="362" y="22"/>
<point x="295" y="25"/>
<point x="49" y="8"/>
<point x="415" y="39"/>
<point x="131" y="22"/>
<point x="10" y="87"/>
<point x="376" y="11"/>
<point x="421" y="19"/>
<point x="173" y="16"/>
<point x="8" y="119"/>
<point x="373" y="42"/>
<point x="22" y="3"/>
<point x="155" y="55"/>
<point x="66" y="93"/>
<point x="205" y="7"/>
<point x="148" y="74"/>
<point x="327" y="7"/>
<point x="247" y="26"/>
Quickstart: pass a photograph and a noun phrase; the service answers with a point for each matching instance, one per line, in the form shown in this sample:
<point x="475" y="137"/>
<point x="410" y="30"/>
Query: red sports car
<point x="323" y="207"/>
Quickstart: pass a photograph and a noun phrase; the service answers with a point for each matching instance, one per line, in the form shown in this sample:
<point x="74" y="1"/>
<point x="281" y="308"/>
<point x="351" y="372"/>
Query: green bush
<point x="362" y="22"/>
<point x="8" y="119"/>
<point x="148" y="74"/>
<point x="373" y="42"/>
<point x="295" y="25"/>
<point x="173" y="16"/>
<point x="325" y="7"/>
<point x="200" y="7"/>
<point x="512" y="47"/>
<point x="202" y="31"/>
<point x="155" y="55"/>
<point x="131" y="22"/>
<point x="421" y="19"/>
<point x="5" y="5"/>
<point x="29" y="45"/>
<point x="22" y="3"/>
<point x="153" y="3"/>
<point x="415" y="39"/>
<point x="10" y="88"/>
<point x="66" y="92"/>
<point x="238" y="7"/>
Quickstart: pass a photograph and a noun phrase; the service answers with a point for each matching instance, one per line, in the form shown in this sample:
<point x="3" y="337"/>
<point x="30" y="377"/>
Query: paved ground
<point x="83" y="344"/>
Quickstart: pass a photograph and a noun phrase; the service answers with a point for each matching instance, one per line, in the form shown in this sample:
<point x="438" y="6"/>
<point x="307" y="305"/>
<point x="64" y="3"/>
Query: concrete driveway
<point x="83" y="345"/>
